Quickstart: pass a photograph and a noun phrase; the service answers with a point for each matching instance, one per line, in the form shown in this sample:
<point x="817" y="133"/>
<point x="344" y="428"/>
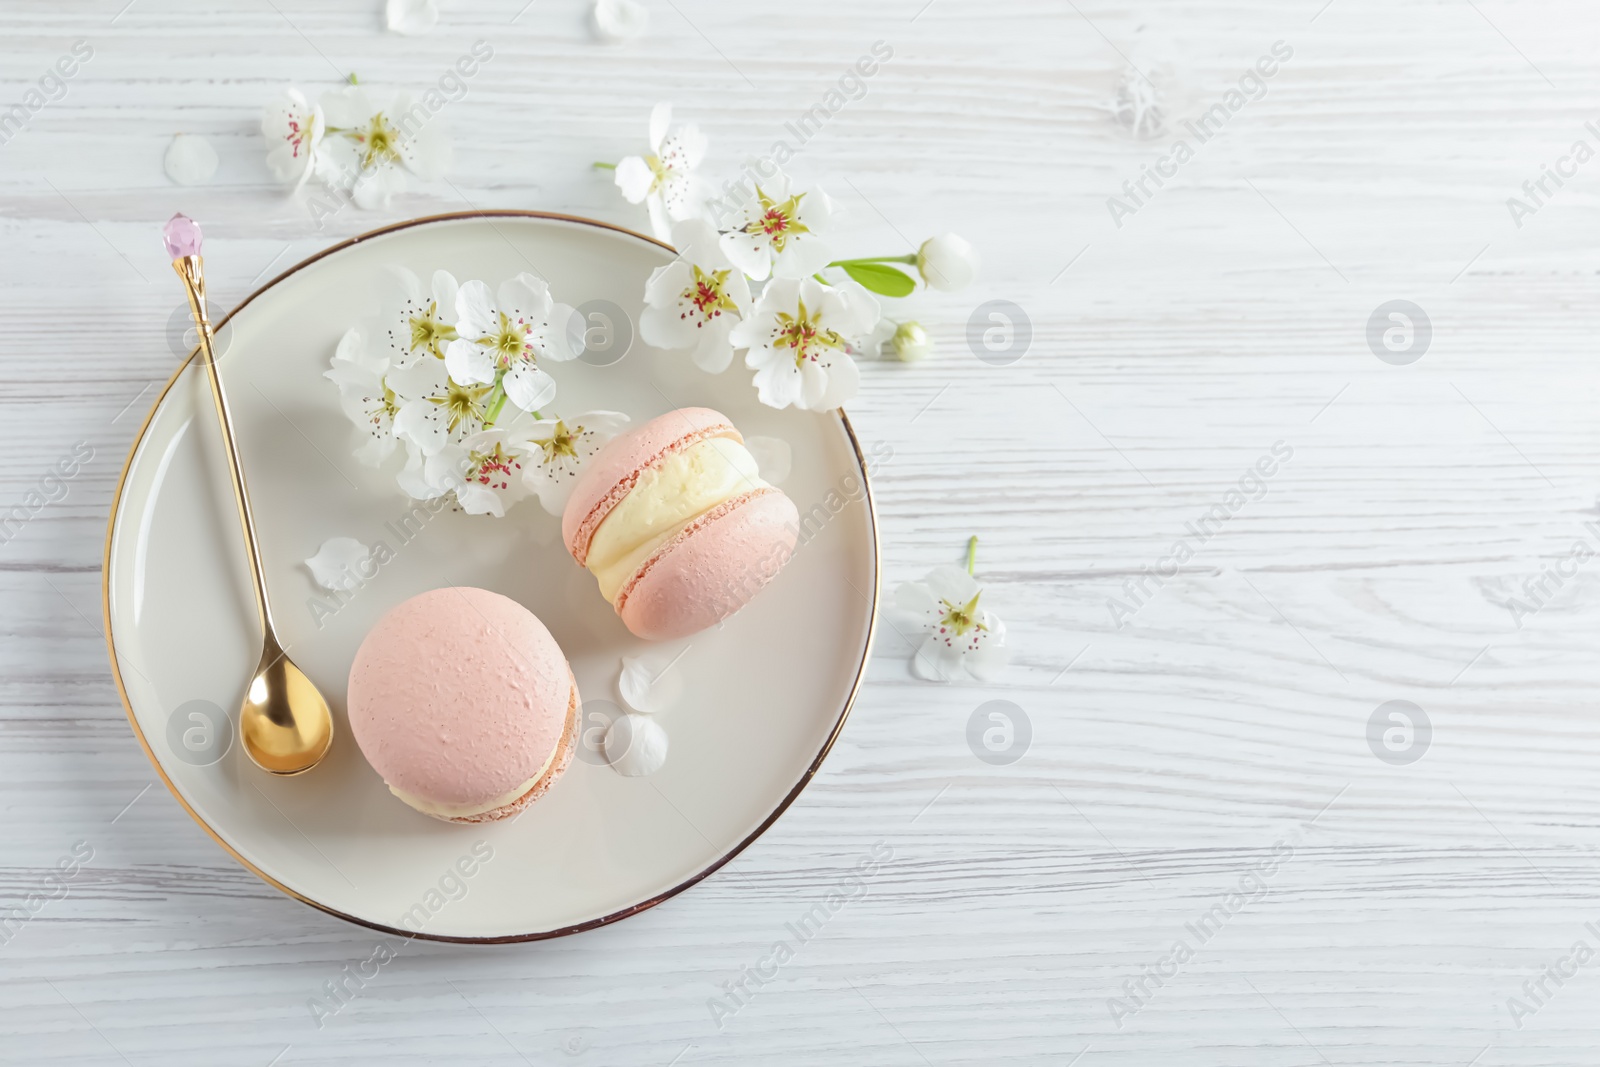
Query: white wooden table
<point x="1218" y="738"/>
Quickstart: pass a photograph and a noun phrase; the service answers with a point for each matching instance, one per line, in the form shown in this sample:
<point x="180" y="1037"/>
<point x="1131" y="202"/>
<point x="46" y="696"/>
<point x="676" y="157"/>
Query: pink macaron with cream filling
<point x="677" y="525"/>
<point x="464" y="704"/>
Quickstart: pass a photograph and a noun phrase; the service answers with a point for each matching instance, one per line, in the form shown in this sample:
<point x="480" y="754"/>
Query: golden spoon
<point x="284" y="722"/>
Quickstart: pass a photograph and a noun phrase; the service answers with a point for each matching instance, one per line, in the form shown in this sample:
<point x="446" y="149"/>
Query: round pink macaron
<point x="458" y="696"/>
<point x="711" y="568"/>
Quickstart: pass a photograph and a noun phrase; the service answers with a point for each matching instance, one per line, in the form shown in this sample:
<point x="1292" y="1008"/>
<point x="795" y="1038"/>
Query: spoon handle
<point x="191" y="270"/>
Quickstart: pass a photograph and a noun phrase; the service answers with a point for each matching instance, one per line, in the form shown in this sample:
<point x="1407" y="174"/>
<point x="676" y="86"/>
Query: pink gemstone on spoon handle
<point x="182" y="236"/>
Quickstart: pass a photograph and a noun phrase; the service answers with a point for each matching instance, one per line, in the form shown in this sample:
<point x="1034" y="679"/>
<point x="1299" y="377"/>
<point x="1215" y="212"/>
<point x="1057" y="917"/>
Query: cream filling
<point x="665" y="500"/>
<point x="463" y="811"/>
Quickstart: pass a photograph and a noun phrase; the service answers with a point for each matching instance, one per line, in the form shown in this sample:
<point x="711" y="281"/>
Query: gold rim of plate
<point x="604" y="920"/>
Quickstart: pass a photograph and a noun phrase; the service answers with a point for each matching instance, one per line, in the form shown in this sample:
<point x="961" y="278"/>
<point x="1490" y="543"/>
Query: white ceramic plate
<point x="763" y="695"/>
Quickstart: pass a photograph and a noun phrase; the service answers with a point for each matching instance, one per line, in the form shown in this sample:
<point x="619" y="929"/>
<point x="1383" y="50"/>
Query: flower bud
<point x="911" y="342"/>
<point x="948" y="262"/>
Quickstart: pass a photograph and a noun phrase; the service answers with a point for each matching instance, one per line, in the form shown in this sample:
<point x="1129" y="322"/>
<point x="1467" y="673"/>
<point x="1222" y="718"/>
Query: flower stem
<point x="497" y="400"/>
<point x="874" y="259"/>
<point x="605" y="166"/>
<point x="972" y="553"/>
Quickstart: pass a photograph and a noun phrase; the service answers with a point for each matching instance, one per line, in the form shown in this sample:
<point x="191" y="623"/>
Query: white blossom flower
<point x="190" y="159"/>
<point x="960" y="635"/>
<point x="364" y="396"/>
<point x="432" y="410"/>
<point x="484" y="470"/>
<point x="696" y="300"/>
<point x="800" y="338"/>
<point x="557" y="450"/>
<point x="780" y="232"/>
<point x="620" y="20"/>
<point x="293" y="128"/>
<point x="664" y="179"/>
<point x="502" y="337"/>
<point x="369" y="146"/>
<point x="948" y="262"/>
<point x="415" y="322"/>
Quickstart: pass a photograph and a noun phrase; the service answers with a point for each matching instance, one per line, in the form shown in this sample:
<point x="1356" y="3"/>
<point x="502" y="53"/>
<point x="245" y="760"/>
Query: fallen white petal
<point x="411" y="18"/>
<point x="636" y="745"/>
<point x="649" y="684"/>
<point x="773" y="457"/>
<point x="190" y="159"/>
<point x="620" y="20"/>
<point x="335" y="566"/>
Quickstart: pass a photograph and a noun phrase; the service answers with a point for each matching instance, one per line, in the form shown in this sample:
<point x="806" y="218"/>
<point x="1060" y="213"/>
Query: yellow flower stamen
<point x="561" y="442"/>
<point x="777" y="222"/>
<point x="803" y="333"/>
<point x="963" y="618"/>
<point x="462" y="403"/>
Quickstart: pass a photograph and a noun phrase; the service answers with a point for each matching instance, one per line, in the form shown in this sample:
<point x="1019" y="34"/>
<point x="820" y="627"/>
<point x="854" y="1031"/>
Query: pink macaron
<point x="464" y="704"/>
<point x="677" y="525"/>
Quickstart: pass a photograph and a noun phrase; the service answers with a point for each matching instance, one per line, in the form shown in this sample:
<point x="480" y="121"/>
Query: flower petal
<point x="636" y="745"/>
<point x="620" y="20"/>
<point x="525" y="298"/>
<point x="419" y="379"/>
<point x="335" y="566"/>
<point x="469" y="363"/>
<point x="660" y="122"/>
<point x="952" y="583"/>
<point x="712" y="353"/>
<point x="773" y="456"/>
<point x="916" y="601"/>
<point x="841" y="382"/>
<point x="634" y="177"/>
<point x="750" y="253"/>
<point x="667" y="283"/>
<point x="423" y="424"/>
<point x="411" y="18"/>
<point x="347" y="106"/>
<point x="684" y="148"/>
<point x="476" y="314"/>
<point x="190" y="159"/>
<point x="696" y="241"/>
<point x="651" y="683"/>
<point x="561" y="338"/>
<point x="777" y="379"/>
<point x="445" y="290"/>
<point x="660" y="219"/>
<point x="528" y="387"/>
<point x="802" y="256"/>
<point x="374" y="188"/>
<point x="424" y="143"/>
<point x="932" y="661"/>
<point x="376" y="450"/>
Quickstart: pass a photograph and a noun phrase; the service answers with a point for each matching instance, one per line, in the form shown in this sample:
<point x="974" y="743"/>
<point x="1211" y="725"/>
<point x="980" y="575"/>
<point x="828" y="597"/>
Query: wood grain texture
<point x="1169" y="755"/>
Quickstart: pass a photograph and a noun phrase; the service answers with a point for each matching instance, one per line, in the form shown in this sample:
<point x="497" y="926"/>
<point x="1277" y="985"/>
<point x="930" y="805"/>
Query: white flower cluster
<point x="813" y="316"/>
<point x="455" y="373"/>
<point x="354" y="143"/>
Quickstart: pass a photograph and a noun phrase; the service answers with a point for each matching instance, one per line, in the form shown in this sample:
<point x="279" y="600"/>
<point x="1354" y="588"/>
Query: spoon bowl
<point x="284" y="722"/>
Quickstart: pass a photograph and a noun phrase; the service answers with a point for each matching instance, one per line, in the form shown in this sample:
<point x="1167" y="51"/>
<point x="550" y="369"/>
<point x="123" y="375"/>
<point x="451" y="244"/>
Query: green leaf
<point x="886" y="281"/>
